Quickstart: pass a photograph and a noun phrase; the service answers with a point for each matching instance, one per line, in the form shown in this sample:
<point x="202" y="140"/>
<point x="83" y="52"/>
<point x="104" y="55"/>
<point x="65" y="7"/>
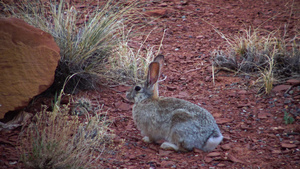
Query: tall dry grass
<point x="54" y="139"/>
<point x="258" y="52"/>
<point x="93" y="39"/>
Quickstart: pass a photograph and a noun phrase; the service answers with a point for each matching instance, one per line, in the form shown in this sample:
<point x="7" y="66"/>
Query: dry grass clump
<point x="257" y="51"/>
<point x="81" y="106"/>
<point x="88" y="37"/>
<point x="54" y="139"/>
<point x="129" y="64"/>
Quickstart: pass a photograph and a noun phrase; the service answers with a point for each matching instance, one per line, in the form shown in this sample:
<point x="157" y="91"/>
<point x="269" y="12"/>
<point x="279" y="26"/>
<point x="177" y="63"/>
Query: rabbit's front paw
<point x="146" y="139"/>
<point x="169" y="146"/>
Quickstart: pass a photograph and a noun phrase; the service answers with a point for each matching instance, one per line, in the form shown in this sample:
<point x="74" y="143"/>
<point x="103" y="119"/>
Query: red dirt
<point x="255" y="135"/>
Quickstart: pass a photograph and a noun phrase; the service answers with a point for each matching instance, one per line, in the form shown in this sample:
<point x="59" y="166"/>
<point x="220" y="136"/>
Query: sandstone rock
<point x="28" y="59"/>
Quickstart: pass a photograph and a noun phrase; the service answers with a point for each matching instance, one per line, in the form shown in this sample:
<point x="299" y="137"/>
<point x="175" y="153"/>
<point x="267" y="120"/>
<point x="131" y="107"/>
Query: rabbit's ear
<point x="153" y="73"/>
<point x="160" y="59"/>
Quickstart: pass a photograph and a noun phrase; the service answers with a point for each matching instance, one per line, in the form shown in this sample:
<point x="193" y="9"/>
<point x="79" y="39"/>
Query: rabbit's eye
<point x="137" y="88"/>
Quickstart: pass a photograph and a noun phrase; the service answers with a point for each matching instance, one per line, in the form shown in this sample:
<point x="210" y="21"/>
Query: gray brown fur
<point x="182" y="124"/>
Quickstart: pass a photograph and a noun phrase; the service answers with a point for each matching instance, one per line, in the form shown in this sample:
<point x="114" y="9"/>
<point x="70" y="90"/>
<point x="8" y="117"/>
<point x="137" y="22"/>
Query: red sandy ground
<point x="255" y="135"/>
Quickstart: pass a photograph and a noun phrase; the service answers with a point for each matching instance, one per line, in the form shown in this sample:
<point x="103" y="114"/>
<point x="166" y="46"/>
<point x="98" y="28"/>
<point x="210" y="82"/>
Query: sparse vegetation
<point x="93" y="40"/>
<point x="81" y="106"/>
<point x="255" y="51"/>
<point x="288" y="119"/>
<point x="57" y="140"/>
<point x="129" y="63"/>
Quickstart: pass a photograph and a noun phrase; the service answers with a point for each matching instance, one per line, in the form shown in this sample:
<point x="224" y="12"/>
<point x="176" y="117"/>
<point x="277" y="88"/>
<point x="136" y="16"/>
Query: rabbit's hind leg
<point x="212" y="143"/>
<point x="146" y="139"/>
<point x="169" y="146"/>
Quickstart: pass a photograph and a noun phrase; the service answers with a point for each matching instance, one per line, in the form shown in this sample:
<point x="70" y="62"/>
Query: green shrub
<point x="287" y="118"/>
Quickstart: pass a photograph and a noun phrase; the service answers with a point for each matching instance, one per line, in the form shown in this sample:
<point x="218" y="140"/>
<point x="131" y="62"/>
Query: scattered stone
<point x="293" y="82"/>
<point x="13" y="162"/>
<point x="171" y="88"/>
<point x="276" y="151"/>
<point x="243" y="105"/>
<point x="207" y="78"/>
<point x="183" y="94"/>
<point x="234" y="159"/>
<point x="132" y="157"/>
<point x="221" y="165"/>
<point x="163" y="5"/>
<point x="297" y="97"/>
<point x="233" y="94"/>
<point x="263" y="115"/>
<point x="184" y="2"/>
<point x="214" y="154"/>
<point x="288" y="145"/>
<point x="208" y="159"/>
<point x="244" y="126"/>
<point x="287" y="151"/>
<point x="280" y="88"/>
<point x="242" y="92"/>
<point x="226" y="137"/>
<point x="279" y="128"/>
<point x="223" y="120"/>
<point x="287" y="101"/>
<point x="164" y="152"/>
<point x="226" y="146"/>
<point x="217" y="115"/>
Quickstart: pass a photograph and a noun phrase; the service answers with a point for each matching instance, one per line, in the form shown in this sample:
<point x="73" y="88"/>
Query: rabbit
<point x="181" y="124"/>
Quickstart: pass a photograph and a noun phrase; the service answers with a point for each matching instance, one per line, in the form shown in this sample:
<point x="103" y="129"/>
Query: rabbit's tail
<point x="213" y="141"/>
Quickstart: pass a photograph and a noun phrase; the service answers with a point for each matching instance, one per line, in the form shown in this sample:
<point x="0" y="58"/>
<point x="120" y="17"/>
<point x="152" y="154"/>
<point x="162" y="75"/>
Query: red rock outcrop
<point x="28" y="59"/>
